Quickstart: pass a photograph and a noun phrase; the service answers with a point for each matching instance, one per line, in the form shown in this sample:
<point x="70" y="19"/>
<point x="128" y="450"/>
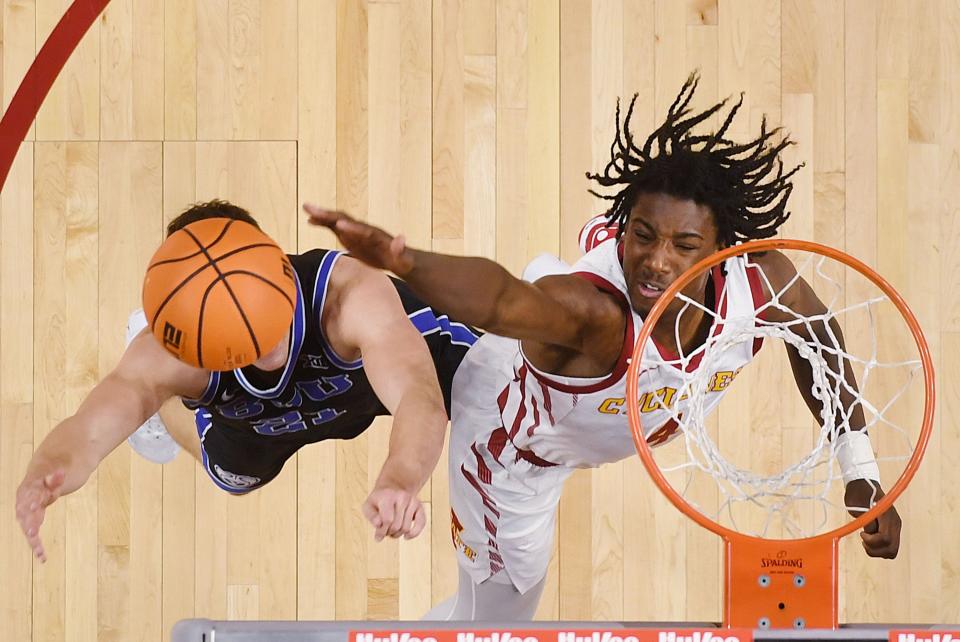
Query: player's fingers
<point x="27" y="522"/>
<point x="30" y="508"/>
<point x="410" y="510"/>
<point x="880" y="544"/>
<point x="402" y="263"/>
<point x="872" y="541"/>
<point x="322" y="216"/>
<point x="25" y="499"/>
<point x="895" y="541"/>
<point x="400" y="503"/>
<point x="386" y="513"/>
<point x="381" y="527"/>
<point x="886" y="541"/>
<point x="31" y="529"/>
<point x="36" y="545"/>
<point x="356" y="231"/>
<point x="369" y="510"/>
<point x="419" y="521"/>
<point x="886" y="550"/>
<point x="398" y="244"/>
<point x="355" y="237"/>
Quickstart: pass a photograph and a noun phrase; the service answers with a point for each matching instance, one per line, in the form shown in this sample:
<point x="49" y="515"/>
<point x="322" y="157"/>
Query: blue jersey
<point x="318" y="394"/>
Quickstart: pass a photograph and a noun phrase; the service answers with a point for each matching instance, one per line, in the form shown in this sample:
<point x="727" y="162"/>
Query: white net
<point x="762" y="458"/>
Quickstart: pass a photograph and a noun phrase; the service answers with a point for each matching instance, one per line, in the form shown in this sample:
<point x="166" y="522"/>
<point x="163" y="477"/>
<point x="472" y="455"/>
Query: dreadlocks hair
<point x="744" y="185"/>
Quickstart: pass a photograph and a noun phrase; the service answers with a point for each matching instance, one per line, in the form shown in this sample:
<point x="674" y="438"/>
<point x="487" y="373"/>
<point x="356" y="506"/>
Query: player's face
<point x="276" y="358"/>
<point x="665" y="236"/>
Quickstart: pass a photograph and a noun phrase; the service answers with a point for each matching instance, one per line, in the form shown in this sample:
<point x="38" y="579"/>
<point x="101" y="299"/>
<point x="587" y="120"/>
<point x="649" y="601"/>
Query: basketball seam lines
<point x="203" y="301"/>
<point x="267" y="281"/>
<point x="190" y="277"/>
<point x="223" y="233"/>
<point x="246" y="322"/>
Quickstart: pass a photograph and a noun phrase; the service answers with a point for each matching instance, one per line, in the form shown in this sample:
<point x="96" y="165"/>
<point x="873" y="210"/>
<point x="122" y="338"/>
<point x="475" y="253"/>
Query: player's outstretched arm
<point x="881" y="538"/>
<point x="368" y="316"/>
<point x="145" y="377"/>
<point x="475" y="290"/>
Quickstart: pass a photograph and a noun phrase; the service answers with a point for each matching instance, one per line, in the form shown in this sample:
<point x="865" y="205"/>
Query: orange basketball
<point x="219" y="294"/>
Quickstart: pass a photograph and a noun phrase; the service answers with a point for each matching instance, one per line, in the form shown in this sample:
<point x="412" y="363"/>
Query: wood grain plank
<point x="71" y="111"/>
<point x="16" y="387"/>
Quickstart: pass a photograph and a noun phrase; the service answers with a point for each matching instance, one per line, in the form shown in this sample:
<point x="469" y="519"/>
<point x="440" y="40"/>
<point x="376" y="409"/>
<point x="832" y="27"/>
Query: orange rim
<point x="656" y="312"/>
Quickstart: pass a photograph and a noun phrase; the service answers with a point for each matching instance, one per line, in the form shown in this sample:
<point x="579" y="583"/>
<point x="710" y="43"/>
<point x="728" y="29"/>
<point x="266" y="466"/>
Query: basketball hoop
<point x="789" y="579"/>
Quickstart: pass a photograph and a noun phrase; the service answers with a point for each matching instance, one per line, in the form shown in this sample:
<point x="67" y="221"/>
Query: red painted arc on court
<point x="40" y="76"/>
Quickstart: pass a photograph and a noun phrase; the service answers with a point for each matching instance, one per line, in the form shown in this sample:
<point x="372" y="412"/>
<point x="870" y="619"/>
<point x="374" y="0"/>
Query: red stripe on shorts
<point x="483" y="471"/>
<point x="487" y="500"/>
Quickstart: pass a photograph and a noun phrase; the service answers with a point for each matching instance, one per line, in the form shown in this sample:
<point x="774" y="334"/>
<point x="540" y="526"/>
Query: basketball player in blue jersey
<point x="360" y="345"/>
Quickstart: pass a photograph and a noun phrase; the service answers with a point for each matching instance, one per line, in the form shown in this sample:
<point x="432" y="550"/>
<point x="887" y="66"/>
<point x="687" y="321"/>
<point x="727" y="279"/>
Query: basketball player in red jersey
<point x="525" y="411"/>
<point x="359" y="345"/>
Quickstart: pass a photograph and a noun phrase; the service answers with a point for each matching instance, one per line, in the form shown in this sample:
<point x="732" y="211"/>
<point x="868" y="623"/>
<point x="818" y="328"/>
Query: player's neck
<point x="276" y="358"/>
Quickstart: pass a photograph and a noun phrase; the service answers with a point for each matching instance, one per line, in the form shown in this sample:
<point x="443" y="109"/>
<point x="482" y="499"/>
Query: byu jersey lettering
<point x="318" y="394"/>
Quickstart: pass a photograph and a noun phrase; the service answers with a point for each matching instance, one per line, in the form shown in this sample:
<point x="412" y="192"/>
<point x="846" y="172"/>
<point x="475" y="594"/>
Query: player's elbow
<point x="426" y="403"/>
<point x="434" y="410"/>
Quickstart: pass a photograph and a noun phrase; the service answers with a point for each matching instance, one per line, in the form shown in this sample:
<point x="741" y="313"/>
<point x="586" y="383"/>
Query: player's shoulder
<point x="581" y="296"/>
<point x="311" y="259"/>
<point x="325" y="272"/>
<point x="775" y="265"/>
<point x="355" y="290"/>
<point x="349" y="273"/>
<point x="573" y="283"/>
<point x="598" y="319"/>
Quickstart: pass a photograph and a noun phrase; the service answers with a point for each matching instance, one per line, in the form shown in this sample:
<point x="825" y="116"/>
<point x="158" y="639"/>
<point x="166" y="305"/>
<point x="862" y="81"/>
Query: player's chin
<point x="641" y="302"/>
<point x="644" y="304"/>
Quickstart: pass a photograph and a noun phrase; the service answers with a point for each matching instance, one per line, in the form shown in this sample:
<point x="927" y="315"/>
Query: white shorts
<point x="504" y="506"/>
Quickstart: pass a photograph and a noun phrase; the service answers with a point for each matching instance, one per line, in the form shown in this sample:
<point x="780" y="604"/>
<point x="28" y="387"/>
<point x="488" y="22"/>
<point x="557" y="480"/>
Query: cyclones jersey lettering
<point x="581" y="422"/>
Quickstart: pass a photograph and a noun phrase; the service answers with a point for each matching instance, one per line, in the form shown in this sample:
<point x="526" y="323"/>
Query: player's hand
<point x="394" y="513"/>
<point x="33" y="496"/>
<point x="366" y="242"/>
<point x="881" y="537"/>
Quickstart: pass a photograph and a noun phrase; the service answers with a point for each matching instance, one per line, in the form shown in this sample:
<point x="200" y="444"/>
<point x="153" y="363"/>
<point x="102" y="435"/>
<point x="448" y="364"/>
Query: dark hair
<point x="211" y="209"/>
<point x="744" y="185"/>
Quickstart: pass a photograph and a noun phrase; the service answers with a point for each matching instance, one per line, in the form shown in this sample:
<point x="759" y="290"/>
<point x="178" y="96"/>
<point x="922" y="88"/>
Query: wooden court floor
<point x="467" y="125"/>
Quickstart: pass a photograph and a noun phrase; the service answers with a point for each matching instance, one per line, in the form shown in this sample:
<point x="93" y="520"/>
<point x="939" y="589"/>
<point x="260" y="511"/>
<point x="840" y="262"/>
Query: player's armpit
<point x="594" y="320"/>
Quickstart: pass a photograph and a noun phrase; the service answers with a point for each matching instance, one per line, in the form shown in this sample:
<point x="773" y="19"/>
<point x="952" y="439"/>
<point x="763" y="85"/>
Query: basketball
<point x="219" y="294"/>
